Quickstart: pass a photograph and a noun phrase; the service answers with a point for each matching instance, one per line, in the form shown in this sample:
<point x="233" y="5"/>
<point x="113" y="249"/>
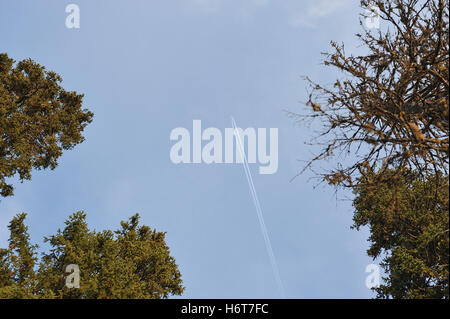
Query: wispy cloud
<point x="215" y="5"/>
<point x="316" y="10"/>
<point x="260" y="2"/>
<point x="305" y="13"/>
<point x="206" y="5"/>
<point x="324" y="8"/>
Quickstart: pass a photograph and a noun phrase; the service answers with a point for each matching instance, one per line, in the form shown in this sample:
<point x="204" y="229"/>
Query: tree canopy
<point x="386" y="123"/>
<point x="131" y="262"/>
<point x="38" y="119"/>
<point x="409" y="227"/>
<point x="390" y="109"/>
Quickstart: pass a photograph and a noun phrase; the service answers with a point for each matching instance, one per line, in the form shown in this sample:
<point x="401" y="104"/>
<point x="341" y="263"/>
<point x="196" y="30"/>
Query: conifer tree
<point x="132" y="262"/>
<point x="38" y="120"/>
<point x="386" y="122"/>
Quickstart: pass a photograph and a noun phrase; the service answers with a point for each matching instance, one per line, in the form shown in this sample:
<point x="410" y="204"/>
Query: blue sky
<point x="147" y="67"/>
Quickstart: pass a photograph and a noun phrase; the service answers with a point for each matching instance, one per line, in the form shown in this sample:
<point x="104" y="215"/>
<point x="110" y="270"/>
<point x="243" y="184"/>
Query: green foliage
<point x="386" y="123"/>
<point x="408" y="217"/>
<point x="132" y="262"/>
<point x="38" y="119"/>
<point x="17" y="263"/>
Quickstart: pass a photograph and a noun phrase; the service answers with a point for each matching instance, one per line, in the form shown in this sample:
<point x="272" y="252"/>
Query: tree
<point x="391" y="108"/>
<point x="18" y="261"/>
<point x="132" y="262"/>
<point x="409" y="227"/>
<point x="387" y="121"/>
<point x="38" y="120"/>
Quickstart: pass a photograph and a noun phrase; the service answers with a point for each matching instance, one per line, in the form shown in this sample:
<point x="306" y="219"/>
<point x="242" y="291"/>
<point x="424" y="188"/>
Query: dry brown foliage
<point x="391" y="108"/>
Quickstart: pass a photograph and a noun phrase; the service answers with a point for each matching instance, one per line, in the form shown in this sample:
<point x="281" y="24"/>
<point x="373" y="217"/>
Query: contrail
<point x="259" y="213"/>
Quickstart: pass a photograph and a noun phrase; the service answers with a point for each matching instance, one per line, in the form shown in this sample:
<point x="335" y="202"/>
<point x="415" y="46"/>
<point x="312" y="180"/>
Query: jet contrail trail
<point x="269" y="249"/>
